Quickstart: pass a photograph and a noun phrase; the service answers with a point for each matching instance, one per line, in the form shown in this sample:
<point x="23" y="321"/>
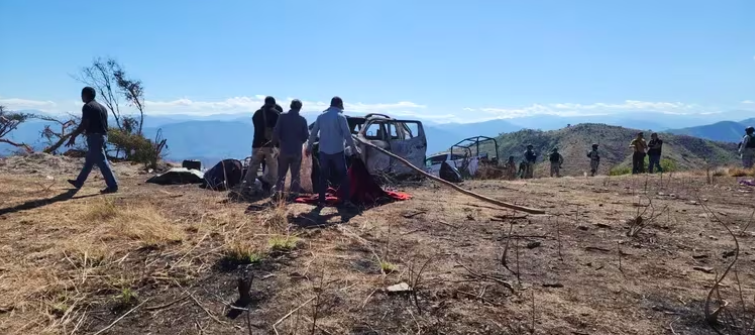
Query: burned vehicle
<point x="405" y="138"/>
<point x="467" y="157"/>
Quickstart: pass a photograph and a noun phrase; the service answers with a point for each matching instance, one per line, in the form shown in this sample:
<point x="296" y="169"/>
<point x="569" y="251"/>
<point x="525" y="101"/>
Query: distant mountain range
<point x="215" y="137"/>
<point x="725" y="131"/>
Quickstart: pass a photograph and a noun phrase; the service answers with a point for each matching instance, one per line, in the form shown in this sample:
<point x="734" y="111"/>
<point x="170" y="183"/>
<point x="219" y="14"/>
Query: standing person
<point x="511" y="169"/>
<point x="529" y="157"/>
<point x="264" y="121"/>
<point x="556" y="161"/>
<point x="638" y="157"/>
<point x="333" y="130"/>
<point x="94" y="126"/>
<point x="747" y="148"/>
<point x="594" y="159"/>
<point x="654" y="153"/>
<point x="290" y="133"/>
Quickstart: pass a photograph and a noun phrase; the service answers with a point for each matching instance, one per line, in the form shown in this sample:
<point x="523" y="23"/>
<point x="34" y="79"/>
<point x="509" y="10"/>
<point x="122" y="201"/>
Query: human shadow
<point x="314" y="218"/>
<point x="43" y="202"/>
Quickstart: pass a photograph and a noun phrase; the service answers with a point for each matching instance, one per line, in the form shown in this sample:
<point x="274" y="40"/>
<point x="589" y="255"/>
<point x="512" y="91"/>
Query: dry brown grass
<point x="75" y="266"/>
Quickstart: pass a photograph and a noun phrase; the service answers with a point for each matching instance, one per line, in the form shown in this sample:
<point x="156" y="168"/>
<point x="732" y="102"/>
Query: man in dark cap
<point x="264" y="121"/>
<point x="94" y="126"/>
<point x="747" y="148"/>
<point x="289" y="134"/>
<point x="333" y="129"/>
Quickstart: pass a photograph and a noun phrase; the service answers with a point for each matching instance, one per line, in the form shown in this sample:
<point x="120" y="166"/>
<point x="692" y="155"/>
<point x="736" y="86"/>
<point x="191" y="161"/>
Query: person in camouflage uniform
<point x="594" y="159"/>
<point x="747" y="148"/>
<point x="530" y="157"/>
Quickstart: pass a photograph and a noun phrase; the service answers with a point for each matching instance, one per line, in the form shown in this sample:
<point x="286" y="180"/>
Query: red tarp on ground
<point x="364" y="190"/>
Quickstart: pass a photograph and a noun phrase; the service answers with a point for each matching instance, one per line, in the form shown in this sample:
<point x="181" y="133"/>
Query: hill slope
<point x="573" y="142"/>
<point x="724" y="131"/>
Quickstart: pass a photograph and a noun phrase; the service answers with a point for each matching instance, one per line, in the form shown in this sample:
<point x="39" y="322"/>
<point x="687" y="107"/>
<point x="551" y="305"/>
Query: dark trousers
<point x="96" y="156"/>
<point x="286" y="162"/>
<point x="638" y="162"/>
<point x="654" y="162"/>
<point x="333" y="168"/>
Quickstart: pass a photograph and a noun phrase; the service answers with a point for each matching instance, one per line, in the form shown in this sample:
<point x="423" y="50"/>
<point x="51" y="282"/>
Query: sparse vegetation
<point x="150" y="256"/>
<point x="387" y="267"/>
<point x="283" y="243"/>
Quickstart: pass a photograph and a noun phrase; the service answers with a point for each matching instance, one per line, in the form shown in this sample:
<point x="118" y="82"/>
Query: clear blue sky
<point x="445" y="55"/>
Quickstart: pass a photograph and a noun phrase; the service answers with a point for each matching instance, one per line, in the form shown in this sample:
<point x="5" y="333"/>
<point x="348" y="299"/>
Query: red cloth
<point x="364" y="190"/>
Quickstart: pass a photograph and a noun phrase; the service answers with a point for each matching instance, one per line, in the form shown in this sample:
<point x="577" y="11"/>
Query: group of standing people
<point x="526" y="168"/>
<point x="278" y="141"/>
<point x="650" y="149"/>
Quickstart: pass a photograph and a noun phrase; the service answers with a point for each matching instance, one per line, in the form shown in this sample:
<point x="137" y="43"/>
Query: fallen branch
<point x="290" y="313"/>
<point x="120" y="318"/>
<point x="449" y="184"/>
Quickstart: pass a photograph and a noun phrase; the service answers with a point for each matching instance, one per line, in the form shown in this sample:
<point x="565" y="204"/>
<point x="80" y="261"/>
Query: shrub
<point x="668" y="165"/>
<point x="136" y="148"/>
<point x="620" y="170"/>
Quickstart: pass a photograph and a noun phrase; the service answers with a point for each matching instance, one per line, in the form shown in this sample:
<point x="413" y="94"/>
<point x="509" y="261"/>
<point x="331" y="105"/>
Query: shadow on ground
<point x="68" y="195"/>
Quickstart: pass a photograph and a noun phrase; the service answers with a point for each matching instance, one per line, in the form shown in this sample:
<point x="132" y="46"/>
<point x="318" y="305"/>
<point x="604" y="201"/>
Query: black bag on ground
<point x="192" y="164"/>
<point x="224" y="175"/>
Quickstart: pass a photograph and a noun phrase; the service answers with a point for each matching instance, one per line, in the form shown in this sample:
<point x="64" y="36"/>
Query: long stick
<point x="451" y="185"/>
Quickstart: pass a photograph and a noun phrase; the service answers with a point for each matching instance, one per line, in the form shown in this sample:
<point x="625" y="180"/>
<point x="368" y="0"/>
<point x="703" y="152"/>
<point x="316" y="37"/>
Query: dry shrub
<point x="486" y="171"/>
<point x="741" y="172"/>
<point x="143" y="224"/>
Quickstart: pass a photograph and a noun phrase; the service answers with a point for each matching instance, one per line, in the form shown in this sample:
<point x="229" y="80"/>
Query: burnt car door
<point x="407" y="140"/>
<point x="375" y="131"/>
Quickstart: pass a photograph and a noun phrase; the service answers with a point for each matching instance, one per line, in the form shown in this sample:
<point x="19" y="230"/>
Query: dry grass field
<point x="168" y="259"/>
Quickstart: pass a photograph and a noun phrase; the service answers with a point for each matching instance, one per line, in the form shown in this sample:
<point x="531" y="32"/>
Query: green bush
<point x="135" y="147"/>
<point x="668" y="165"/>
<point x="620" y="170"/>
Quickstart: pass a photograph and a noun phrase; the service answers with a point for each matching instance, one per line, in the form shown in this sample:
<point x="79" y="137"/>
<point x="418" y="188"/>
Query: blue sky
<point x="447" y="60"/>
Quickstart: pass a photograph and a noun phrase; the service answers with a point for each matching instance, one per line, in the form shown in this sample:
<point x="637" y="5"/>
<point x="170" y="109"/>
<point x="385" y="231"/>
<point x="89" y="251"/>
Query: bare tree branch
<point x="9" y="121"/>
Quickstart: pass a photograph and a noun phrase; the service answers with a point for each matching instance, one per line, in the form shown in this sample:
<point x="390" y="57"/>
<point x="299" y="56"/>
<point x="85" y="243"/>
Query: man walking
<point x="747" y="148"/>
<point x="94" y="126"/>
<point x="638" y="157"/>
<point x="333" y="130"/>
<point x="654" y="153"/>
<point x="594" y="159"/>
<point x="264" y="120"/>
<point x="556" y="161"/>
<point x="290" y="133"/>
<point x="530" y="157"/>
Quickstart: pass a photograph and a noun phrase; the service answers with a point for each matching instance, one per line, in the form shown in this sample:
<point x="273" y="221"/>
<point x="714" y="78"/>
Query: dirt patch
<point x="169" y="259"/>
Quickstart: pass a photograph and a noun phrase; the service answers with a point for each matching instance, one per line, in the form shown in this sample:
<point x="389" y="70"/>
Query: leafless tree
<point x="108" y="77"/>
<point x="56" y="138"/>
<point x="9" y="121"/>
<point x="100" y="76"/>
<point x="133" y="90"/>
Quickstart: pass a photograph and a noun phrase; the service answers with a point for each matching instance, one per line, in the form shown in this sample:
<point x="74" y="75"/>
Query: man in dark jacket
<point x="289" y="134"/>
<point x="556" y="161"/>
<point x="530" y="157"/>
<point x="264" y="121"/>
<point x="94" y="126"/>
<point x="654" y="153"/>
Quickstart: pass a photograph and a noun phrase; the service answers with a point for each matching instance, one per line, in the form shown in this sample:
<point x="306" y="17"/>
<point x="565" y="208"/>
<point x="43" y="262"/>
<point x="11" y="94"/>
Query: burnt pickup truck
<point x="405" y="138"/>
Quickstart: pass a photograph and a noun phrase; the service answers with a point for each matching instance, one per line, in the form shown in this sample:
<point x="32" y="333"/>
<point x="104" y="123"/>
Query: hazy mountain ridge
<point x="215" y="137"/>
<point x="573" y="143"/>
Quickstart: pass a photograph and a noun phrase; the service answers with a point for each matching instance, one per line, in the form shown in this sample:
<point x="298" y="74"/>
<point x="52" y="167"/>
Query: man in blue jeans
<point x="94" y="126"/>
<point x="333" y="129"/>
<point x="654" y="153"/>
